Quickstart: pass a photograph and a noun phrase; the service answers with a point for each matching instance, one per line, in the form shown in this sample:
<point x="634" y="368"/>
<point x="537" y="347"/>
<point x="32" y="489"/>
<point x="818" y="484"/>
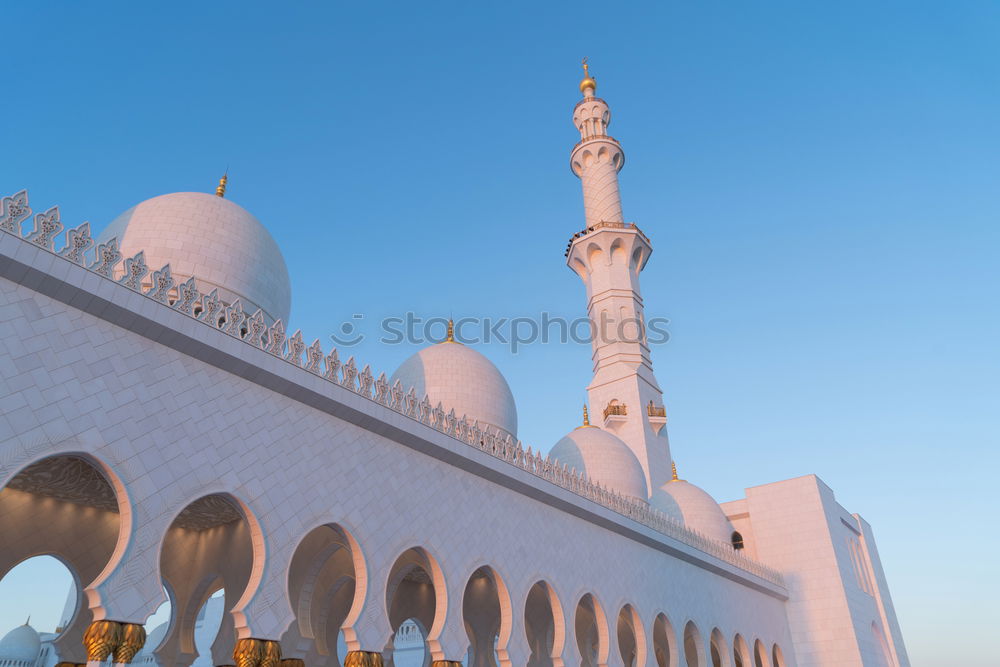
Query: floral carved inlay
<point x="207" y="512"/>
<point x="68" y="479"/>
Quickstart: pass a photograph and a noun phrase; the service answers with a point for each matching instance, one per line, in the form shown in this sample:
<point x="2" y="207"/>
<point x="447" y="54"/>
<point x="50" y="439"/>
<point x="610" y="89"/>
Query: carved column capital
<point x="257" y="653"/>
<point x="363" y="659"/>
<point x="133" y="637"/>
<point x="101" y="639"/>
<point x="270" y="653"/>
<point x="248" y="653"/>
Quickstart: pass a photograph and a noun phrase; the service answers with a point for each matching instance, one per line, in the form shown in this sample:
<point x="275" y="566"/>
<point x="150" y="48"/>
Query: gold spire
<point x="221" y="190"/>
<point x="450" y="338"/>
<point x="586" y="417"/>
<point x="588" y="81"/>
<point x="674" y="467"/>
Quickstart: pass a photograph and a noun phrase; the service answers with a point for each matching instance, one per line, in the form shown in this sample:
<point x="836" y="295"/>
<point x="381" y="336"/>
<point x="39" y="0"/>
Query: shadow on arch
<point x="210" y="561"/>
<point x="417" y="602"/>
<point x="72" y="507"/>
<point x="487" y="613"/>
<point x="326" y="588"/>
<point x="591" y="628"/>
<point x="544" y="626"/>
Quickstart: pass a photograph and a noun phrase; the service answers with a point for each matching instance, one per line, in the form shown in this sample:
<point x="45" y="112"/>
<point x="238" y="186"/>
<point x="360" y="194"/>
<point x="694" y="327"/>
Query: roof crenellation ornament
<point x="106" y="259"/>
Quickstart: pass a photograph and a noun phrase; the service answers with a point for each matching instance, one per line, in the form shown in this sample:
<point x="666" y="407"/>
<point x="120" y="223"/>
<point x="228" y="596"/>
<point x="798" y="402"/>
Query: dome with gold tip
<point x="213" y="239"/>
<point x="693" y="506"/>
<point x="463" y="380"/>
<point x="602" y="457"/>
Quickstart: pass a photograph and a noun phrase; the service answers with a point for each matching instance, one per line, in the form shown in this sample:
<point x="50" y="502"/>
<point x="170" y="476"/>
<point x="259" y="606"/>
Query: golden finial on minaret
<point x="450" y="338"/>
<point x="674" y="467"/>
<point x="221" y="190"/>
<point x="588" y="81"/>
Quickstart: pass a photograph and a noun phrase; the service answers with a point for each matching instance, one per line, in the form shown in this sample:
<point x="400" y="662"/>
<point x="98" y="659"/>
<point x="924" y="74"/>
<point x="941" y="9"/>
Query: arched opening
<point x="409" y="645"/>
<point x="412" y="600"/>
<point x="206" y="562"/>
<point x="777" y="656"/>
<point x="760" y="655"/>
<point x="38" y="599"/>
<point x="543" y="625"/>
<point x="719" y="649"/>
<point x="322" y="581"/>
<point x="207" y="624"/>
<point x="631" y="640"/>
<point x="737" y="540"/>
<point x="486" y="612"/>
<point x="663" y="642"/>
<point x="591" y="629"/>
<point x="65" y="506"/>
<point x="158" y="626"/>
<point x="694" y="653"/>
<point x="741" y="652"/>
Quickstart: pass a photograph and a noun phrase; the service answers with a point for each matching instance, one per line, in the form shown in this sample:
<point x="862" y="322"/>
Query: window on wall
<point x="737" y="540"/>
<point x="861" y="571"/>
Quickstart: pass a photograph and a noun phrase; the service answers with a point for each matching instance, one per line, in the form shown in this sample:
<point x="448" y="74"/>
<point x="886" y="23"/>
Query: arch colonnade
<point x="71" y="507"/>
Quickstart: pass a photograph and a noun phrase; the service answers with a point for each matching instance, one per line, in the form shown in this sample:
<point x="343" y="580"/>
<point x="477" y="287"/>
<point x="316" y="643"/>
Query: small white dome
<point x="698" y="510"/>
<point x="604" y="458"/>
<point x="213" y="239"/>
<point x="21" y="644"/>
<point x="462" y="380"/>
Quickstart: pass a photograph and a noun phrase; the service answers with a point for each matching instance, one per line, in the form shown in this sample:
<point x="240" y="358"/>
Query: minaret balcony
<point x="615" y="414"/>
<point x="657" y="415"/>
<point x="596" y="137"/>
<point x="605" y="225"/>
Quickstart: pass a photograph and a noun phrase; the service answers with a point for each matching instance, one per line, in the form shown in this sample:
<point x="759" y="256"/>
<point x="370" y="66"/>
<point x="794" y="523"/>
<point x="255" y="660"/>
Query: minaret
<point x="608" y="256"/>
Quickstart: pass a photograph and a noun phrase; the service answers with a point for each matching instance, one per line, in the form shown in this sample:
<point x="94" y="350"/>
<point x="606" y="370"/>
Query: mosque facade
<point x="166" y="436"/>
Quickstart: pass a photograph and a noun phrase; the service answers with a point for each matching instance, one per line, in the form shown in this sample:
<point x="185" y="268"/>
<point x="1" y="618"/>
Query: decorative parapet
<point x="231" y="319"/>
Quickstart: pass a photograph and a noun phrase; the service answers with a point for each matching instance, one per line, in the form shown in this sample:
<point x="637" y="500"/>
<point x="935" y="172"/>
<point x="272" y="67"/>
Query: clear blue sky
<point x="820" y="181"/>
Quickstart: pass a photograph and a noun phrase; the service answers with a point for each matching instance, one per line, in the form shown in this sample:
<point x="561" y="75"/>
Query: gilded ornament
<point x="292" y="662"/>
<point x="248" y="653"/>
<point x="588" y="81"/>
<point x="363" y="659"/>
<point x="101" y="638"/>
<point x="132" y="640"/>
<point x="271" y="654"/>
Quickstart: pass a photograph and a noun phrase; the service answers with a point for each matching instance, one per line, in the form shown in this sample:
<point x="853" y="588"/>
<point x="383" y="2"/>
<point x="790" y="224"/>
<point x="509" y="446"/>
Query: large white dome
<point x="462" y="380"/>
<point x="604" y="458"/>
<point x="698" y="510"/>
<point x="21" y="644"/>
<point x="213" y="239"/>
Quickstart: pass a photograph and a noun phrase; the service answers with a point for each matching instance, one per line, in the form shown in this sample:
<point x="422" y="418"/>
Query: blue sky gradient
<point x="819" y="181"/>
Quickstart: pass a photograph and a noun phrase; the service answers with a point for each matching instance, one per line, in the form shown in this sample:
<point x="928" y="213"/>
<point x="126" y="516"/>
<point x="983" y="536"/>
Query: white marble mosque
<point x="168" y="437"/>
